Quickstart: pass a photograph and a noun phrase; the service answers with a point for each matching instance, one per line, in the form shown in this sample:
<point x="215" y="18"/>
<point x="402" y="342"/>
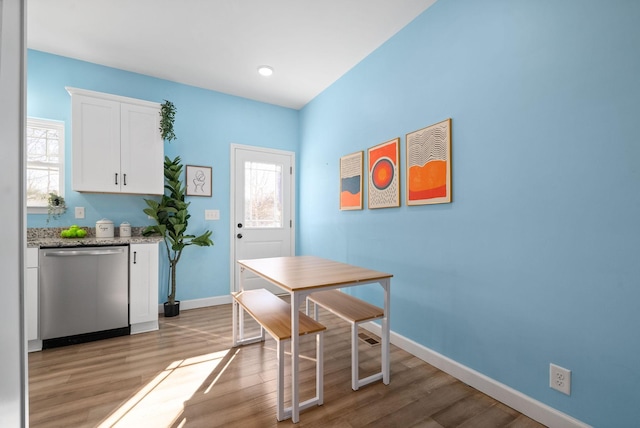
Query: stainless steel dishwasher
<point x="84" y="294"/>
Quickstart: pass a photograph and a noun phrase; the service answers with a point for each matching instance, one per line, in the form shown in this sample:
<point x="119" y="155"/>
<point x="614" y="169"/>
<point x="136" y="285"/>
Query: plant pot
<point x="171" y="310"/>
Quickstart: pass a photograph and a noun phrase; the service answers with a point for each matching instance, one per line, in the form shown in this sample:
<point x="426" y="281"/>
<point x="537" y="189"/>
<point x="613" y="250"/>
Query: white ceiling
<point x="218" y="44"/>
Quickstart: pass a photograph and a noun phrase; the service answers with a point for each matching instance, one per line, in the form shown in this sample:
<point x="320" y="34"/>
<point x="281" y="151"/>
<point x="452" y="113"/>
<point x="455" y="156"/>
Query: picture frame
<point x="428" y="164"/>
<point x="351" y="181"/>
<point x="198" y="180"/>
<point x="383" y="163"/>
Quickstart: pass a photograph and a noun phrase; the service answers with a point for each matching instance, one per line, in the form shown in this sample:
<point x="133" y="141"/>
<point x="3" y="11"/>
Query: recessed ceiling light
<point x="265" y="70"/>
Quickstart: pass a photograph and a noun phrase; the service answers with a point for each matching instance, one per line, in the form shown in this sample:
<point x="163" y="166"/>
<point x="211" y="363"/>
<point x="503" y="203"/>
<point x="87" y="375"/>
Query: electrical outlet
<point x="211" y="214"/>
<point x="560" y="379"/>
<point x="79" y="212"/>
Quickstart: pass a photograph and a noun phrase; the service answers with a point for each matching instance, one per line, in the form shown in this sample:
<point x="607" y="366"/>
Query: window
<point x="45" y="162"/>
<point x="263" y="195"/>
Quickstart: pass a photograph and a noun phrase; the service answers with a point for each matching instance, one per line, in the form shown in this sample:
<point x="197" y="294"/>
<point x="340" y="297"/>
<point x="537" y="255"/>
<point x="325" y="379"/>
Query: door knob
<point x="239" y="225"/>
<point x="239" y="235"/>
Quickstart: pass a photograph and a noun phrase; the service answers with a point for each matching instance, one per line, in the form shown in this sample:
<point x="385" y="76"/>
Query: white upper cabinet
<point x="116" y="144"/>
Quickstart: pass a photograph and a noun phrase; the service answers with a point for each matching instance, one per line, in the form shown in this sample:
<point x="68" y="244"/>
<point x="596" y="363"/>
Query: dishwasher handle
<point x="92" y="252"/>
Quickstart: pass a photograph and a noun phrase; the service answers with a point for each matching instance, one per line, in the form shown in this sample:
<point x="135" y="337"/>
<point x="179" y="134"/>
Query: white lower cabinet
<point x="143" y="287"/>
<point x="31" y="300"/>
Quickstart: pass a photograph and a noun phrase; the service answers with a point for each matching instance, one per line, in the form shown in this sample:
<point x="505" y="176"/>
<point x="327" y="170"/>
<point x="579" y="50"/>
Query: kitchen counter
<point x="50" y="237"/>
<point x="90" y="241"/>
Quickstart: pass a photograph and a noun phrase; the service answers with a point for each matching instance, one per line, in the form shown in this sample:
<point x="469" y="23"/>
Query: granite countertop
<point x="50" y="237"/>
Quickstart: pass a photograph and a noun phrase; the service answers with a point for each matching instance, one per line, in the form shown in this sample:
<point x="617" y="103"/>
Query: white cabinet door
<point x="143" y="287"/>
<point x="96" y="144"/>
<point x="116" y="142"/>
<point x="142" y="154"/>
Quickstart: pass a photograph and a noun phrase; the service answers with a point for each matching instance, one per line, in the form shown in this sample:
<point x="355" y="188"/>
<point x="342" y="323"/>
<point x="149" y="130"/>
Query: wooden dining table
<point x="300" y="276"/>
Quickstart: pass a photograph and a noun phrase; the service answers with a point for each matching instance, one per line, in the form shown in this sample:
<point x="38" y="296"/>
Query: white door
<point x="262" y="201"/>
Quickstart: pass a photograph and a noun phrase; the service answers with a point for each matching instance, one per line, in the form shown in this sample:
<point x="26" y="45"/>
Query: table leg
<point x="295" y="349"/>
<point x="386" y="331"/>
<point x="237" y="314"/>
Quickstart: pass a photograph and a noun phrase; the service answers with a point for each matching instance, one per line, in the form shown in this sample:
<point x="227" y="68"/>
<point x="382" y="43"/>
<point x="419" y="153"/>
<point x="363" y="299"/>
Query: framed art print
<point x="198" y="180"/>
<point x="351" y="170"/>
<point x="384" y="175"/>
<point x="429" y="164"/>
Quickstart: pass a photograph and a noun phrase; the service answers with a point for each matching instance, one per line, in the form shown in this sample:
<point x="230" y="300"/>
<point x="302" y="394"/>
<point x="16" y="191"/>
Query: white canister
<point x="104" y="228"/>
<point x="125" y="230"/>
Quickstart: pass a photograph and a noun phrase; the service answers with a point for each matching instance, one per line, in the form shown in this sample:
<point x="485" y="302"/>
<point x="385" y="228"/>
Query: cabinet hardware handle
<point x="124" y="179"/>
<point x="135" y="253"/>
<point x="116" y="178"/>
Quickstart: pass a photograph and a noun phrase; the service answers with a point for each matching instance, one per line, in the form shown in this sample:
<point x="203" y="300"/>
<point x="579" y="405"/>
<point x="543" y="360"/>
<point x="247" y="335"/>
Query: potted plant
<point x="56" y="206"/>
<point x="171" y="216"/>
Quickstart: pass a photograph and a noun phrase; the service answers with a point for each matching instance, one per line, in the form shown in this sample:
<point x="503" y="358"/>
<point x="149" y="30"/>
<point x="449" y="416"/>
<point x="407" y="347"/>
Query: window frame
<point x="35" y="122"/>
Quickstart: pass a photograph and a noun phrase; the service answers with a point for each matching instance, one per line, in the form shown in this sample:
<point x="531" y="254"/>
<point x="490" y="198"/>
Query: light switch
<point x="79" y="212"/>
<point x="212" y="214"/>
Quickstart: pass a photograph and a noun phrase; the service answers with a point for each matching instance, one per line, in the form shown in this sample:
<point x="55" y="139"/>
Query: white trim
<point x="59" y="125"/>
<point x="143" y="327"/>
<point x="232" y="201"/>
<point x="524" y="404"/>
<point x="200" y="303"/>
<point x="118" y="98"/>
<point x="34" y="345"/>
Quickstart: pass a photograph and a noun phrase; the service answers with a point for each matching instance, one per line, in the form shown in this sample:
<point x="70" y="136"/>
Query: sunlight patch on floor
<point x="161" y="402"/>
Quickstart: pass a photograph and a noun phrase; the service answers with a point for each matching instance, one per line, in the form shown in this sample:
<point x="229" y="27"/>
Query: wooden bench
<point x="274" y="316"/>
<point x="354" y="311"/>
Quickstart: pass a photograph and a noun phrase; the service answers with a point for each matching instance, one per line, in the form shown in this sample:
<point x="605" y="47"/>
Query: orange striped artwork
<point x="429" y="164"/>
<point x="351" y="171"/>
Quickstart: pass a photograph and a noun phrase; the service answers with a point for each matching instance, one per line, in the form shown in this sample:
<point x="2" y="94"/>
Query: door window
<point x="263" y="195"/>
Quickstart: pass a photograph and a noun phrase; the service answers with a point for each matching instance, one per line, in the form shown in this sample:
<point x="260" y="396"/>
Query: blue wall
<point x="206" y="124"/>
<point x="536" y="259"/>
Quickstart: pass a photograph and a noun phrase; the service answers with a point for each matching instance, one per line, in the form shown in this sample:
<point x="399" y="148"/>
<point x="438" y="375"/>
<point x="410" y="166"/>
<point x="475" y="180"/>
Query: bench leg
<point x="234" y="327"/>
<point x="280" y="414"/>
<point x="308" y="306"/>
<point x="320" y="367"/>
<point x="354" y="356"/>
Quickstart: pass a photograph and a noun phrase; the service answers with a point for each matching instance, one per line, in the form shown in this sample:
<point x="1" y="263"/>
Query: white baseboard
<point x="524" y="404"/>
<point x="144" y="327"/>
<point x="199" y="303"/>
<point x="34" y="345"/>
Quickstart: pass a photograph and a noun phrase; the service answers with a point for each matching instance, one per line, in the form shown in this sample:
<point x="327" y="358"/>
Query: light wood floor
<point x="188" y="375"/>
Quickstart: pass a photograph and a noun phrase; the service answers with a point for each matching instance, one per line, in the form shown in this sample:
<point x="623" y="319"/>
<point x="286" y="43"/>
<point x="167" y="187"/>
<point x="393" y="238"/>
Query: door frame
<point x="232" y="202"/>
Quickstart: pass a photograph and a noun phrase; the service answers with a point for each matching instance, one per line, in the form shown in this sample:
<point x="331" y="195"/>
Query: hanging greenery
<point x="167" y="117"/>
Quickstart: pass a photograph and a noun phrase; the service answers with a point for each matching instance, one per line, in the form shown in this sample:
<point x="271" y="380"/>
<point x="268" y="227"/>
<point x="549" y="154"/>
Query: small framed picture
<point x="384" y="175"/>
<point x="198" y="180"/>
<point x="351" y="171"/>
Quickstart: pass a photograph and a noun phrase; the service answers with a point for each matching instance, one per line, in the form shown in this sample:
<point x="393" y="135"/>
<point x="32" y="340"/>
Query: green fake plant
<point x="171" y="216"/>
<point x="167" y="118"/>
